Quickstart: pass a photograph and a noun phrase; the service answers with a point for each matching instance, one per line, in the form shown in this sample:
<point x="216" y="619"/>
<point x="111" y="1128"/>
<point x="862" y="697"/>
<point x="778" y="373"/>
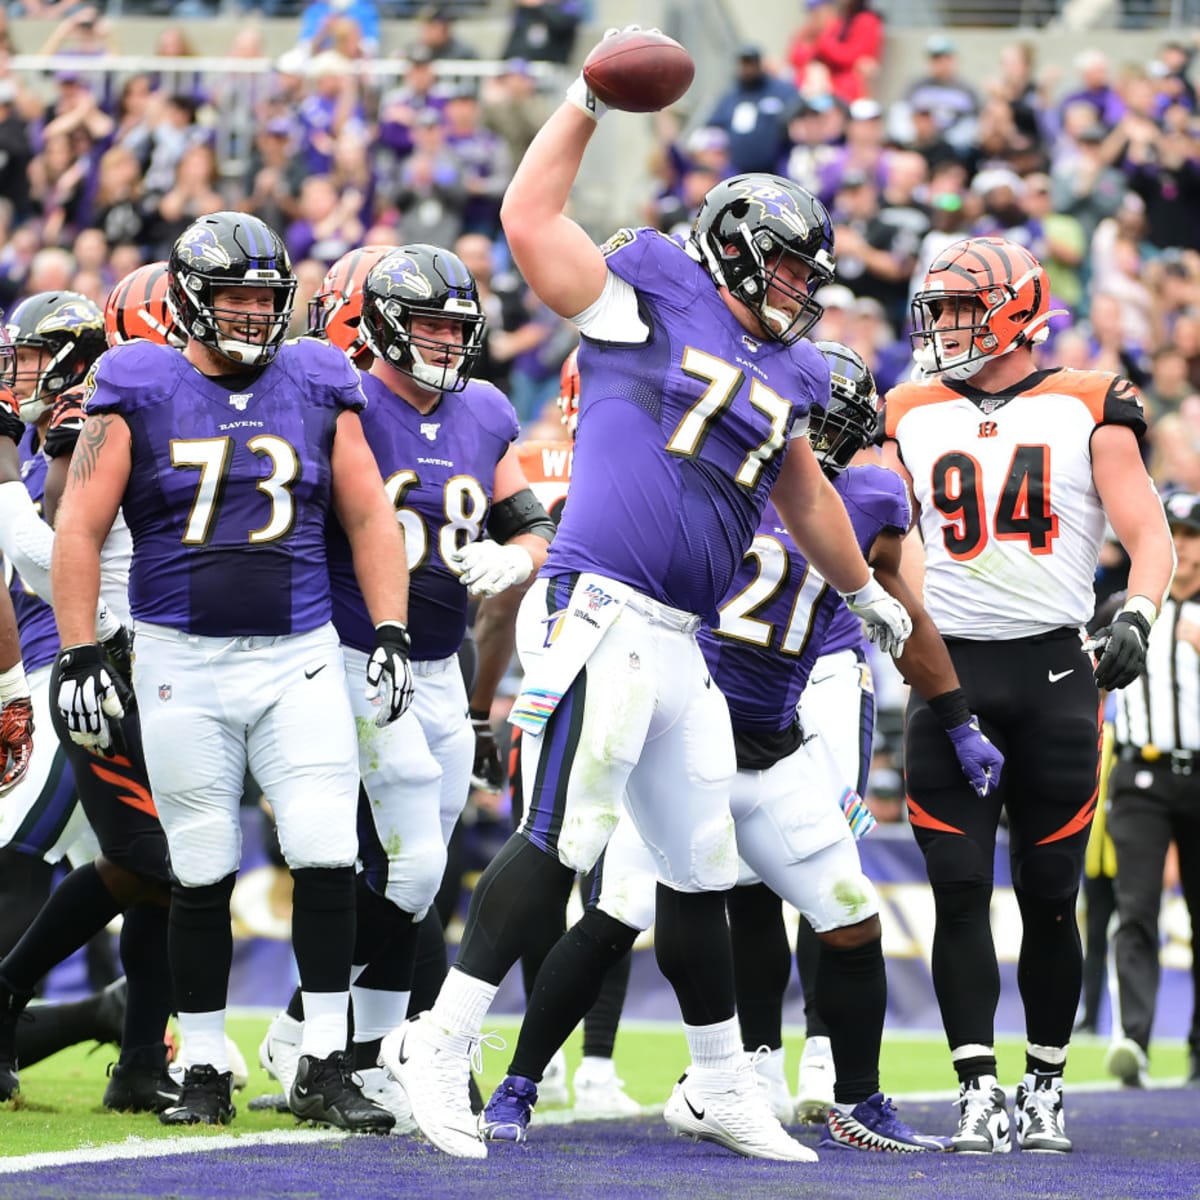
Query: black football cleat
<point x="205" y="1099"/>
<point x="325" y="1090"/>
<point x="140" y="1082"/>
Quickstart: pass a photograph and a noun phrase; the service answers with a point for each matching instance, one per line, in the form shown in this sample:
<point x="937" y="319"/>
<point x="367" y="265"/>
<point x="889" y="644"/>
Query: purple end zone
<point x="1128" y="1146"/>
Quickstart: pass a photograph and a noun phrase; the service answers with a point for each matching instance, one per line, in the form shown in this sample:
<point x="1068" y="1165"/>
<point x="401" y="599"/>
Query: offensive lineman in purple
<point x="687" y="464"/>
<point x="193" y="442"/>
<point x="762" y="682"/>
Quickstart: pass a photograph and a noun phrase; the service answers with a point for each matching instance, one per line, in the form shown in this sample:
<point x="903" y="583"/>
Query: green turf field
<point x="59" y="1107"/>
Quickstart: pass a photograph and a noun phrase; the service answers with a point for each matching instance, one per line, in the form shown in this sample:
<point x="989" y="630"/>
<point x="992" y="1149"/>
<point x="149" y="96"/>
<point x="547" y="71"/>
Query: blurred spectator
<point x="58" y="179"/>
<point x="952" y="100"/>
<point x="400" y="107"/>
<point x="754" y="114"/>
<point x="320" y="17"/>
<point x="16" y="151"/>
<point x="813" y="160"/>
<point x="328" y="223"/>
<point x="1169" y="384"/>
<point x="193" y="194"/>
<point x="119" y="213"/>
<point x="52" y="270"/>
<point x="1057" y="241"/>
<point x="1112" y="346"/>
<point x="276" y="173"/>
<point x="1083" y="183"/>
<point x="846" y="38"/>
<point x="543" y="30"/>
<point x="1002" y="191"/>
<point x="927" y="137"/>
<point x="330" y="107"/>
<point x="949" y="215"/>
<point x="436" y="33"/>
<point x="135" y="117"/>
<point x="513" y="107"/>
<point x="484" y="159"/>
<point x="1164" y="170"/>
<point x="1097" y="91"/>
<point x="431" y="194"/>
<point x="1175" y="453"/>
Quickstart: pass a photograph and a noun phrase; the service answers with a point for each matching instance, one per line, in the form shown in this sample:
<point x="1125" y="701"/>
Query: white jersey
<point x="1008" y="510"/>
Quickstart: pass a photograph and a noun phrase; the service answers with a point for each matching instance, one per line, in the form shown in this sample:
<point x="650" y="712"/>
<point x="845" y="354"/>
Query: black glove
<point x="119" y="649"/>
<point x="1122" y="650"/>
<point x="88" y="696"/>
<point x="488" y="771"/>
<point x="389" y="677"/>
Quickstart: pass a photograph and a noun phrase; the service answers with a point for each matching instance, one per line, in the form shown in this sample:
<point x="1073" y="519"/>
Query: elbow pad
<point x="27" y="541"/>
<point x="522" y="512"/>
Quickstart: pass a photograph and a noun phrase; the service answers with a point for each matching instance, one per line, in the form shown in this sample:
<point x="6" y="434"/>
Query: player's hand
<point x="119" y="649"/>
<point x="1121" y="647"/>
<point x="978" y="756"/>
<point x="487" y="568"/>
<point x="88" y="696"/>
<point x="487" y="773"/>
<point x="389" y="676"/>
<point x="16" y="742"/>
<point x="887" y="621"/>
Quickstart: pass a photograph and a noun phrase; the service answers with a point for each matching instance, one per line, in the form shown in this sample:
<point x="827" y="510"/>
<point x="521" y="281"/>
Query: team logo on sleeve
<point x="623" y="237"/>
<point x="89" y="384"/>
<point x="1124" y="391"/>
<point x="199" y="247"/>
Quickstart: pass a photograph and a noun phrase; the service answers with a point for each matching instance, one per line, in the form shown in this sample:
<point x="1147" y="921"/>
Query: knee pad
<point x="206" y="851"/>
<point x="844" y="900"/>
<point x="413" y="880"/>
<point x="584" y="835"/>
<point x="323" y="889"/>
<point x="632" y="903"/>
<point x="954" y="860"/>
<point x="712" y="863"/>
<point x="1048" y="873"/>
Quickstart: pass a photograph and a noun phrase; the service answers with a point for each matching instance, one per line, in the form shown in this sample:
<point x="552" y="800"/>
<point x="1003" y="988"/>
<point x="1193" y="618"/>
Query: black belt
<point x="1181" y="762"/>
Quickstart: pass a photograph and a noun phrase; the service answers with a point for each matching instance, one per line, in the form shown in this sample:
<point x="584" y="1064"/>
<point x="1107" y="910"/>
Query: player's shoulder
<point x="137" y="374"/>
<point x="651" y="261"/>
<point x="913" y="394"/>
<point x="491" y="408"/>
<point x="810" y="361"/>
<point x="878" y="491"/>
<point x="1110" y="399"/>
<point x="325" y="372"/>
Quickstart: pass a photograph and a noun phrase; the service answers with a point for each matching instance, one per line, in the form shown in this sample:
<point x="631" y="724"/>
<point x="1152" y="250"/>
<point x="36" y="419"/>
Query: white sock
<point x="462" y="1004"/>
<point x="718" y="1046"/>
<point x="204" y="1039"/>
<point x="324" y="1023"/>
<point x="376" y="1012"/>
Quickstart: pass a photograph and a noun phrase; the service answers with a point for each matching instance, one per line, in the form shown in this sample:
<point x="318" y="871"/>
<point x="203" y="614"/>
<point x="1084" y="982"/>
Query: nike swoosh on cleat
<point x="401" y="1057"/>
<point x="1055" y="676"/>
<point x="312" y="674"/>
<point x="697" y="1113"/>
<point x="301" y="1091"/>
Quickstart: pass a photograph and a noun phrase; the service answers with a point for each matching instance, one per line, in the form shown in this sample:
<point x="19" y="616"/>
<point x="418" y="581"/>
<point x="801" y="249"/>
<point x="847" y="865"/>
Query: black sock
<point x="691" y="943"/>
<point x="24" y="887"/>
<point x="46" y="1029"/>
<point x="852" y="997"/>
<point x="1049" y="968"/>
<point x="567" y="986"/>
<point x="323" y="923"/>
<point x="514" y="909"/>
<point x="808" y="960"/>
<point x="431" y="965"/>
<point x="295" y="1005"/>
<point x="965" y="975"/>
<point x="79" y="908"/>
<point x="762" y="963"/>
<point x="602" y="1019"/>
<point x="365" y="1055"/>
<point x="386" y="941"/>
<point x="147" y="975"/>
<point x="200" y="941"/>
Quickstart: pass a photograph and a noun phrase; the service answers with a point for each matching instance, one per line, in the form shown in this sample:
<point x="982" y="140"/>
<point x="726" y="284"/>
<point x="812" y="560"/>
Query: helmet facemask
<point x="847" y="424"/>
<point x="245" y="337"/>
<point x="416" y="354"/>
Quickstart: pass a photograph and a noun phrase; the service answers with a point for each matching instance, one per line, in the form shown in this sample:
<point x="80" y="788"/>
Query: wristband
<point x="584" y="99"/>
<point x="13" y="685"/>
<point x="1141" y="606"/>
<point x="951" y="708"/>
<point x="107" y="625"/>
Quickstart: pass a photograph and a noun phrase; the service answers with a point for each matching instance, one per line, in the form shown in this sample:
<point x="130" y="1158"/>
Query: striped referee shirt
<point x="1162" y="708"/>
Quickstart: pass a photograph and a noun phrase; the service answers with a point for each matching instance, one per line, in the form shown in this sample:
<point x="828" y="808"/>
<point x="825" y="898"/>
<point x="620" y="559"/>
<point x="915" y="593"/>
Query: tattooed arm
<point x="99" y="473"/>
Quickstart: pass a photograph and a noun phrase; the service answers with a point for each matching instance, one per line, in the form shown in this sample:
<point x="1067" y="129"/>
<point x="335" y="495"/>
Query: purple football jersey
<point x="229" y="490"/>
<point x="681" y="438"/>
<point x="776" y="616"/>
<point x="439" y="468"/>
<point x="35" y="618"/>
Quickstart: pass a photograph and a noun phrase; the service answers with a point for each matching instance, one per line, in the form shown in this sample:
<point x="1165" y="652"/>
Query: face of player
<point x="31" y="361"/>
<point x="437" y="339"/>
<point x="954" y="322"/>
<point x="246" y="314"/>
<point x="789" y="278"/>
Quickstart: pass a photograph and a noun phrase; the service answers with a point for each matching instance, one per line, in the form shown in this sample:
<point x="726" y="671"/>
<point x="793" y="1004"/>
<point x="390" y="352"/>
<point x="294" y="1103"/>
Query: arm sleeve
<point x="27" y="541"/>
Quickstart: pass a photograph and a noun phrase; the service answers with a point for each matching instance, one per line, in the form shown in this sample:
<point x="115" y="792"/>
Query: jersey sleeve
<point x="876" y="500"/>
<point x="339" y="381"/>
<point x="652" y="263"/>
<point x="494" y="412"/>
<point x="11" y="425"/>
<point x="1123" y="406"/>
<point x="66" y="423"/>
<point x="813" y="391"/>
<point x="128" y="377"/>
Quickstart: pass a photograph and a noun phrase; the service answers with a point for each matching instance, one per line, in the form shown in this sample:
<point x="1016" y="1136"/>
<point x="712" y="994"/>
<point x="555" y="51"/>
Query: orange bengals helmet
<point x="568" y="391"/>
<point x="998" y="296"/>
<point x="335" y="312"/>
<point x="137" y="308"/>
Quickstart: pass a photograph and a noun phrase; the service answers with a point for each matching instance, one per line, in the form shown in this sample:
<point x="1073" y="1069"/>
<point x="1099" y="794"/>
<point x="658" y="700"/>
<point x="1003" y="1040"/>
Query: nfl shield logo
<point x="987" y="407"/>
<point x="164" y="691"/>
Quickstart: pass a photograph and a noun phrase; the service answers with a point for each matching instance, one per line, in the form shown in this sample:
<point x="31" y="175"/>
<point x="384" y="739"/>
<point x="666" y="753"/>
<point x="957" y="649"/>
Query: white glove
<point x="887" y="621"/>
<point x="487" y="568"/>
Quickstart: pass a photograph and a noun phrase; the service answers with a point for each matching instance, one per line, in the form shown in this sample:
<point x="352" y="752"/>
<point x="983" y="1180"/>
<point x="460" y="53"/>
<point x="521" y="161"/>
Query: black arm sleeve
<point x="522" y="512"/>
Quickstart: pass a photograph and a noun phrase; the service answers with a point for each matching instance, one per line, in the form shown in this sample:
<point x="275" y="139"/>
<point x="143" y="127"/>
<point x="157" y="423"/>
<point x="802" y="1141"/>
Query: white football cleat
<point x="279" y="1051"/>
<point x="600" y="1094"/>
<point x="814" y="1091"/>
<point x="768" y="1066"/>
<point x="983" y="1125"/>
<point x="433" y="1066"/>
<point x="379" y="1087"/>
<point x="552" y="1091"/>
<point x="731" y="1109"/>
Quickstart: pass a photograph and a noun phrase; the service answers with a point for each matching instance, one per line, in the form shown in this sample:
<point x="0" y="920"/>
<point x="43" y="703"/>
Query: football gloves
<point x="1121" y="646"/>
<point x="16" y="728"/>
<point x="389" y="676"/>
<point x="88" y="696"/>
<point x="978" y="756"/>
<point x="886" y="619"/>
<point x="487" y="568"/>
<point x="487" y="773"/>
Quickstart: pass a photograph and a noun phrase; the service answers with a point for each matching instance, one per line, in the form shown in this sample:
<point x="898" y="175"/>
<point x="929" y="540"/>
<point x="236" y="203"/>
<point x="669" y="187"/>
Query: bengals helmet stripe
<point x="137" y="308"/>
<point x="335" y="312"/>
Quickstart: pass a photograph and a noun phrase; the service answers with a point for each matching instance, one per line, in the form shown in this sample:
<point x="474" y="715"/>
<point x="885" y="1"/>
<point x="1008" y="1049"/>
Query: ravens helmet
<point x="137" y="309"/>
<point x="422" y="281"/>
<point x="848" y="423"/>
<point x="335" y="312"/>
<point x="747" y="227"/>
<point x="56" y="336"/>
<point x="231" y="250"/>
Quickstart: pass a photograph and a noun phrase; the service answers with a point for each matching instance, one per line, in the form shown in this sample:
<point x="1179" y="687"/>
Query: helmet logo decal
<point x="68" y="317"/>
<point x="200" y="247"/>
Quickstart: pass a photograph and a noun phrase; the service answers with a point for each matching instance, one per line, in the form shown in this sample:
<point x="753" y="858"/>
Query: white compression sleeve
<point x="27" y="541"/>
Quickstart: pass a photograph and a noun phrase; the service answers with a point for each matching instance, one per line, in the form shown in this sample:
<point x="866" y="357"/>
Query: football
<point x="639" y="70"/>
